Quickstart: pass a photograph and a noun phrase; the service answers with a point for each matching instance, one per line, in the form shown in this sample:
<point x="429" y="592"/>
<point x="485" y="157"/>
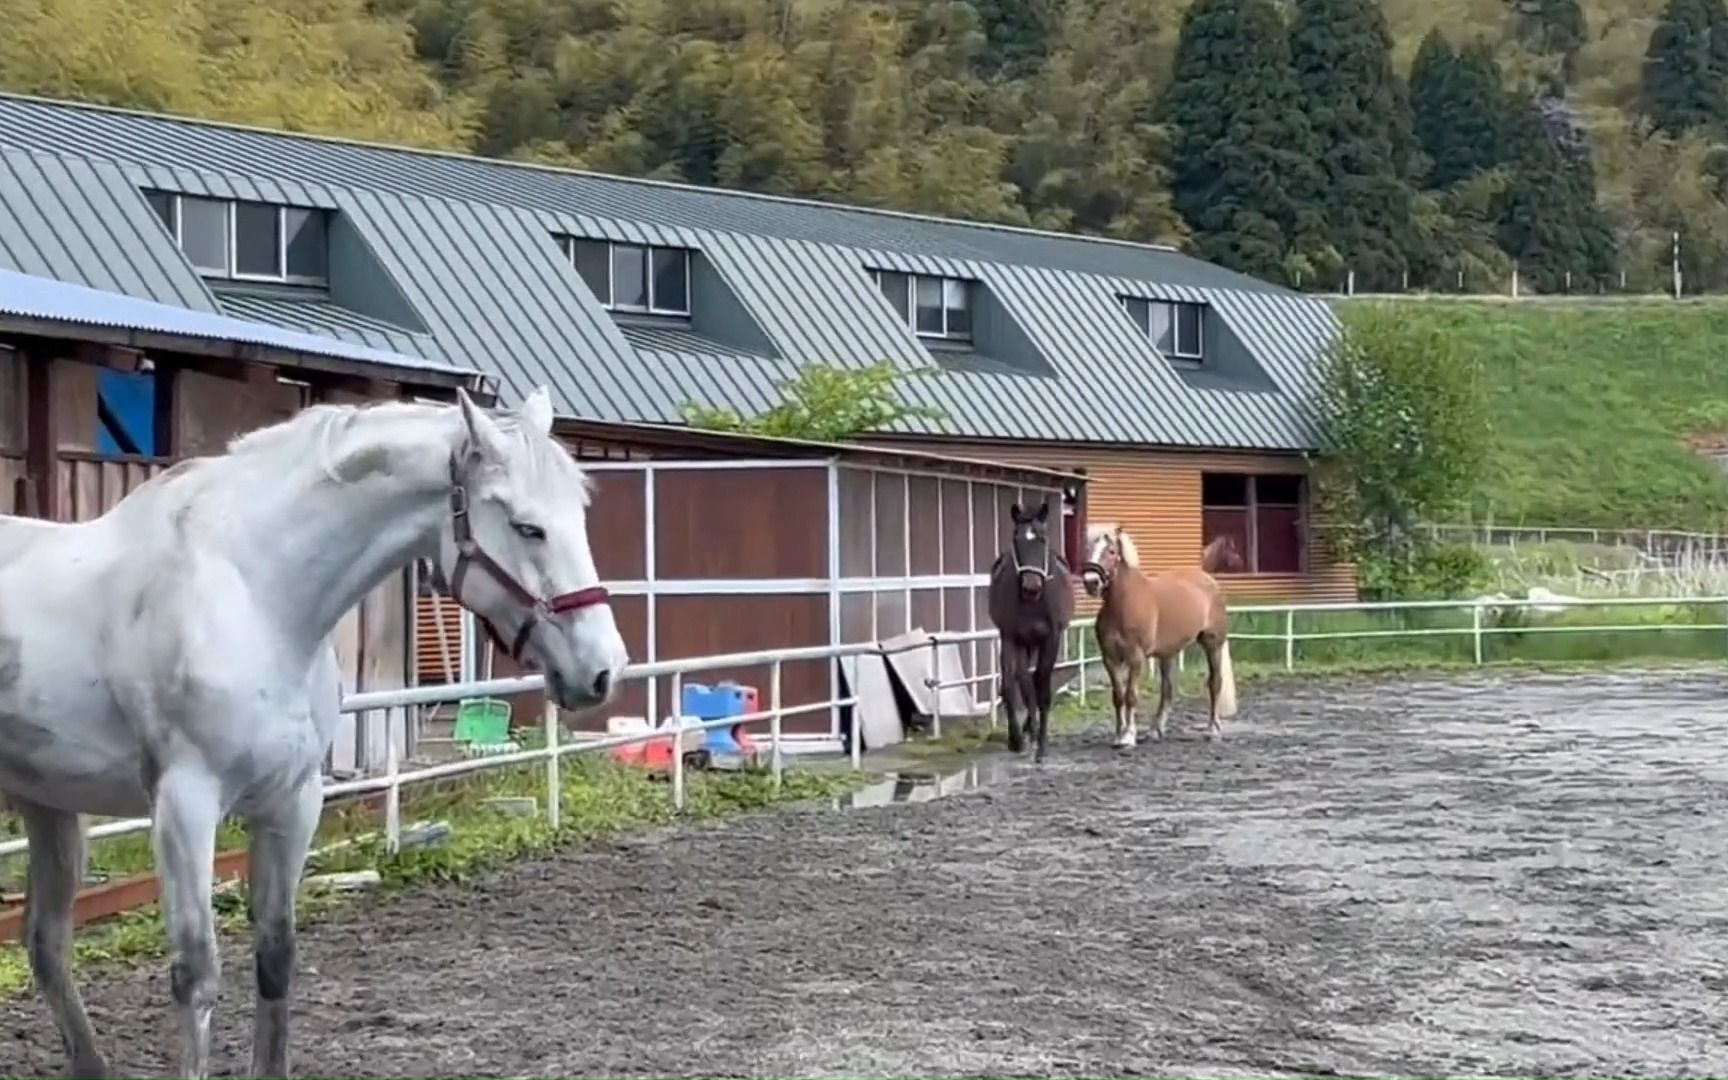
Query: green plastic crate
<point x="482" y="722"/>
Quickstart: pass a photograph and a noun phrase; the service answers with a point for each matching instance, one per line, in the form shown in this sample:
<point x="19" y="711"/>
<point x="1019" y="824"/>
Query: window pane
<point x="594" y="263"/>
<point x="1139" y="310"/>
<point x="1277" y="490"/>
<point x="565" y="244"/>
<point x="204" y="233"/>
<point x="1224" y="489"/>
<point x="1227" y="522"/>
<point x="1279" y="532"/>
<point x="257" y="239"/>
<point x="897" y="288"/>
<point x="957" y="298"/>
<point x="629" y="276"/>
<point x="1162" y="327"/>
<point x="929" y="298"/>
<point x="308" y="250"/>
<point x="163" y="204"/>
<point x="671" y="290"/>
<point x="126" y="417"/>
<point x="1188" y="330"/>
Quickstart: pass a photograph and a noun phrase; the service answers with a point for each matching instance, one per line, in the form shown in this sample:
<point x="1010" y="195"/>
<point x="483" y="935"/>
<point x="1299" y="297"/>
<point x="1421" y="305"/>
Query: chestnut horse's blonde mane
<point x="1130" y="552"/>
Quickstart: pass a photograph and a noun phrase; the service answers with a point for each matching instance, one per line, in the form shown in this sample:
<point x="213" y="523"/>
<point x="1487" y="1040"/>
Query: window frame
<point x="968" y="288"/>
<point x="1251" y="505"/>
<point x="1195" y="356"/>
<point x="566" y="243"/>
<point x="231" y="208"/>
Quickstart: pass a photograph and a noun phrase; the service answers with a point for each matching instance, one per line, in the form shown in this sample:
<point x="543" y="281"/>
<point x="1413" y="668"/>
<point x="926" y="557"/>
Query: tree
<point x="1402" y="414"/>
<point x="827" y="404"/>
<point x="1552" y="28"/>
<point x="1685" y="79"/>
<point x="1242" y="166"/>
<point x="1552" y="223"/>
<point x="1359" y="113"/>
<point x="1459" y="110"/>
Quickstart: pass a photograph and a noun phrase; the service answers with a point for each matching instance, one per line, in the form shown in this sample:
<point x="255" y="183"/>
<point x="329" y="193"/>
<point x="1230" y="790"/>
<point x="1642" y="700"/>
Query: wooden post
<point x="42" y="434"/>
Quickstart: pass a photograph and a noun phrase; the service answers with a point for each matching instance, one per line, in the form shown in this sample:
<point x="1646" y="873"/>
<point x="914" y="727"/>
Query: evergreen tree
<point x="1020" y="33"/>
<point x="1242" y="163"/>
<point x="1552" y="28"/>
<point x="1685" y="79"/>
<point x="1360" y="116"/>
<point x="1458" y="106"/>
<point x="1552" y="224"/>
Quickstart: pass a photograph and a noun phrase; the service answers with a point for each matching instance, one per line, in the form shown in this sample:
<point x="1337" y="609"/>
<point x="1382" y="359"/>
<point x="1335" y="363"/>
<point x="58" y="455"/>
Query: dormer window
<point x="930" y="306"/>
<point x="247" y="241"/>
<point x="1174" y="326"/>
<point x="632" y="277"/>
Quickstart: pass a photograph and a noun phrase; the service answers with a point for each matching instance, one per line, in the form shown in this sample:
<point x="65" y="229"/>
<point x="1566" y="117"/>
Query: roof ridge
<point x="532" y="166"/>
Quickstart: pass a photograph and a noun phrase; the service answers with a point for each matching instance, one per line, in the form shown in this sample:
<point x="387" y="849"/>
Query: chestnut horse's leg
<point x="1133" y="676"/>
<point x="1118" y="673"/>
<point x="1166" y="692"/>
<point x="1213" y="645"/>
<point x="1012" y="664"/>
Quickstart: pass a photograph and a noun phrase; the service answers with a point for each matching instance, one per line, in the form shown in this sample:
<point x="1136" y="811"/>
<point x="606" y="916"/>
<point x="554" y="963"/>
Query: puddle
<point x="925" y="785"/>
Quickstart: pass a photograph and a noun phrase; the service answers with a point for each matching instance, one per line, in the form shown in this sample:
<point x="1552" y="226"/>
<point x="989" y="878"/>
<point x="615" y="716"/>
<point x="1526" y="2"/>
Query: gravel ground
<point x="1513" y="874"/>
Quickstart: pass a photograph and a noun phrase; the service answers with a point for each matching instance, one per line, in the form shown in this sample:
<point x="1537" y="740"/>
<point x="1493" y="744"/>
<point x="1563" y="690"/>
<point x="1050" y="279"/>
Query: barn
<point x="1151" y="388"/>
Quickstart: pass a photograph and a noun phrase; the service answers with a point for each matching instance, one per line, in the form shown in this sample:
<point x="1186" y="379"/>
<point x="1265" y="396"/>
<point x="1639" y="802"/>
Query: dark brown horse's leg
<point x="1166" y="692"/>
<point x="1013" y="664"/>
<point x="1044" y="691"/>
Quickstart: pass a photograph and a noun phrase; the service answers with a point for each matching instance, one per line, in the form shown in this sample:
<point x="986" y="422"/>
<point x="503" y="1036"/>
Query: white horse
<point x="173" y="657"/>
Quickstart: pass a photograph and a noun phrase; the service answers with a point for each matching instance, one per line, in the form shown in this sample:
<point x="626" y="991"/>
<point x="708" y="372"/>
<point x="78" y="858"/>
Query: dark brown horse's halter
<point x="1043" y="572"/>
<point x="468" y="551"/>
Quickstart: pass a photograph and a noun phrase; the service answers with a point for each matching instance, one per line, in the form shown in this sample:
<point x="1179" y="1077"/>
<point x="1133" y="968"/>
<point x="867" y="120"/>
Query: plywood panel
<point x="74" y="393"/>
<point x="890" y="525"/>
<point x="984" y="530"/>
<point x="615" y="525"/>
<point x="209" y="410"/>
<point x="891" y="613"/>
<point x="712" y="625"/>
<point x="741" y="523"/>
<point x="11" y="401"/>
<point x="857" y="559"/>
<point x="925" y="494"/>
<point x="90" y="487"/>
<point x="956" y="540"/>
<point x="855" y="621"/>
<point x="15" y="495"/>
<point x="926" y="610"/>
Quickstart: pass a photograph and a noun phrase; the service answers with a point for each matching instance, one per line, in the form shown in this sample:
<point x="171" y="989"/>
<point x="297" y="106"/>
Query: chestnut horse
<point x="1156" y="615"/>
<point x="1031" y="603"/>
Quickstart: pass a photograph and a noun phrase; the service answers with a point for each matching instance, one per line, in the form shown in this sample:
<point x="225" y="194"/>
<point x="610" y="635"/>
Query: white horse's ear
<point x="536" y="411"/>
<point x="483" y="434"/>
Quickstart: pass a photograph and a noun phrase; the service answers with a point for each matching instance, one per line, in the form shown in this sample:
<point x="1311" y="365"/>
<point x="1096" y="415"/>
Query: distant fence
<point x="1665" y="545"/>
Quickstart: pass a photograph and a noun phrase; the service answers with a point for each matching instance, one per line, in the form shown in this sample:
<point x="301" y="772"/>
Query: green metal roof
<point x="467" y="242"/>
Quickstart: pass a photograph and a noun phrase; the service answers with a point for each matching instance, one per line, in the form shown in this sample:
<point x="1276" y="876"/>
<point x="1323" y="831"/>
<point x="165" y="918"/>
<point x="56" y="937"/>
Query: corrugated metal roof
<point x="24" y="296"/>
<point x="468" y="242"/>
<point x="319" y="316"/>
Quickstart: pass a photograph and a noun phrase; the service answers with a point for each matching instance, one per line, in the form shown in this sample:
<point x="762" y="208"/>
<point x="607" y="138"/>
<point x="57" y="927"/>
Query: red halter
<point x="468" y="551"/>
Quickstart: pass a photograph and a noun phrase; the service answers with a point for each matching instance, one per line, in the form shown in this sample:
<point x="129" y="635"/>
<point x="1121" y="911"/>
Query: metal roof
<point x="43" y="300"/>
<point x="468" y="243"/>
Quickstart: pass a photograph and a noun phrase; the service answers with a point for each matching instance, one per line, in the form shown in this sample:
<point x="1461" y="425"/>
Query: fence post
<point x="775" y="762"/>
<point x="934" y="682"/>
<point x="1289" y="639"/>
<point x="393" y="793"/>
<point x="554" y="784"/>
<point x="854" y="734"/>
<point x="1082" y="650"/>
<point x="1476" y="629"/>
<point x="678" y="742"/>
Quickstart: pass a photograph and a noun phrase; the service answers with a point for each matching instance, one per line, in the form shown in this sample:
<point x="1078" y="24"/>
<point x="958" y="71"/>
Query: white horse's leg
<point x="56" y="865"/>
<point x="280" y="842"/>
<point x="1166" y="691"/>
<point x="187" y="812"/>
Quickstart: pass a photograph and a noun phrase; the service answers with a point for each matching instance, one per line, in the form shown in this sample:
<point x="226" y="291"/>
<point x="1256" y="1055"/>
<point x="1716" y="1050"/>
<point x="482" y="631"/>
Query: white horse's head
<point x="515" y="551"/>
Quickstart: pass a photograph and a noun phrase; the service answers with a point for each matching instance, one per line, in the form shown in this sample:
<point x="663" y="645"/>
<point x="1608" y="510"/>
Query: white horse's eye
<point x="527" y="531"/>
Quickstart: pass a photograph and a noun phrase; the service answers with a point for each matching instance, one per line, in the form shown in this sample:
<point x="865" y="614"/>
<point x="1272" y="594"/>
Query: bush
<point x="1434" y="572"/>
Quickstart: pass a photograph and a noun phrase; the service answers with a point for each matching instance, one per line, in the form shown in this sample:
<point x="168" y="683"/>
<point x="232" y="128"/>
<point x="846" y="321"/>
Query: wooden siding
<point x="1155" y="495"/>
<point x="11" y="402"/>
<point x="91" y="485"/>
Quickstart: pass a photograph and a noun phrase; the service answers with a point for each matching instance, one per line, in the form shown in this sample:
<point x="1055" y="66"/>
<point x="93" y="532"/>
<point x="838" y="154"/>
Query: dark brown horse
<point x="1031" y="603"/>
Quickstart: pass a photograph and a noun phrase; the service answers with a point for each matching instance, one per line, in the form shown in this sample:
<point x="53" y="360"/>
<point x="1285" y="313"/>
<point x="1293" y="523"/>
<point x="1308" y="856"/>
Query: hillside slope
<point x="1594" y="406"/>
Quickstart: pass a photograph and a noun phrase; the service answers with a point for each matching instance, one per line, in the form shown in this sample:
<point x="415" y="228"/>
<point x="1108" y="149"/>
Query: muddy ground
<point x="1514" y="874"/>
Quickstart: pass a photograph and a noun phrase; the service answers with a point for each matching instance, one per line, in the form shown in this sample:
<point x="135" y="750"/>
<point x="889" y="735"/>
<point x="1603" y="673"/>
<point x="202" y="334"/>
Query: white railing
<point x="395" y="778"/>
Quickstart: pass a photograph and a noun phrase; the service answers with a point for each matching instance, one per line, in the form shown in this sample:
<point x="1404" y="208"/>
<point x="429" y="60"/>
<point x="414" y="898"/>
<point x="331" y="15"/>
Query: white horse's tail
<point x="1226" y="682"/>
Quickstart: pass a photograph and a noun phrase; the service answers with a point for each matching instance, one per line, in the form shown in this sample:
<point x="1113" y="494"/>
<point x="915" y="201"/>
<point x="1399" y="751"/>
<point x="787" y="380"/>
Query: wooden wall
<point x="1155" y="495"/>
<point x="14" y="496"/>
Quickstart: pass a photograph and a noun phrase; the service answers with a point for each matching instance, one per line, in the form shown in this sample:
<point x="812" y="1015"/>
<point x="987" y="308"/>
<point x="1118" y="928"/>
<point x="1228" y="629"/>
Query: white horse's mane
<point x="350" y="441"/>
<point x="1130" y="551"/>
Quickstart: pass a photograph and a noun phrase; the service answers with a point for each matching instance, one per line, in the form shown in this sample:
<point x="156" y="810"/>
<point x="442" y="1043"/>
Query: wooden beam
<point x="41" y="433"/>
<point x="114" y="357"/>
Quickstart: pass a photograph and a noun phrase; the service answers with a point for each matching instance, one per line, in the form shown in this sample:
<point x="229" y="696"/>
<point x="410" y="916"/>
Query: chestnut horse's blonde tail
<point x="1226" y="682"/>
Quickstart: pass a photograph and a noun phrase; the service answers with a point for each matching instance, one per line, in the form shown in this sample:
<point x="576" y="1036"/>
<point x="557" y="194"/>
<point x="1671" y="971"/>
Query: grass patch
<point x="599" y="798"/>
<point x="1591" y="405"/>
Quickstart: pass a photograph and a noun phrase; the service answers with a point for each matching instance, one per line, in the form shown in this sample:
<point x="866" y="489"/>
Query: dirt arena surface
<point x="1511" y="874"/>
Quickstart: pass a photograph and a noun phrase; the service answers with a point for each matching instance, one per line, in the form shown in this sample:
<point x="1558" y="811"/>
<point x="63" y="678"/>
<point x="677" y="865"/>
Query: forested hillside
<point x="1415" y="143"/>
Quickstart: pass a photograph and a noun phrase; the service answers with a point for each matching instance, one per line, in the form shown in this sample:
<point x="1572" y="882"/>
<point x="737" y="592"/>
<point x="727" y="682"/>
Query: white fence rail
<point x="395" y="778"/>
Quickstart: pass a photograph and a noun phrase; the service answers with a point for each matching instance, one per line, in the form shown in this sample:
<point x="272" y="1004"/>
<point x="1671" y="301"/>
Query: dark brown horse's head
<point x="1030" y="548"/>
